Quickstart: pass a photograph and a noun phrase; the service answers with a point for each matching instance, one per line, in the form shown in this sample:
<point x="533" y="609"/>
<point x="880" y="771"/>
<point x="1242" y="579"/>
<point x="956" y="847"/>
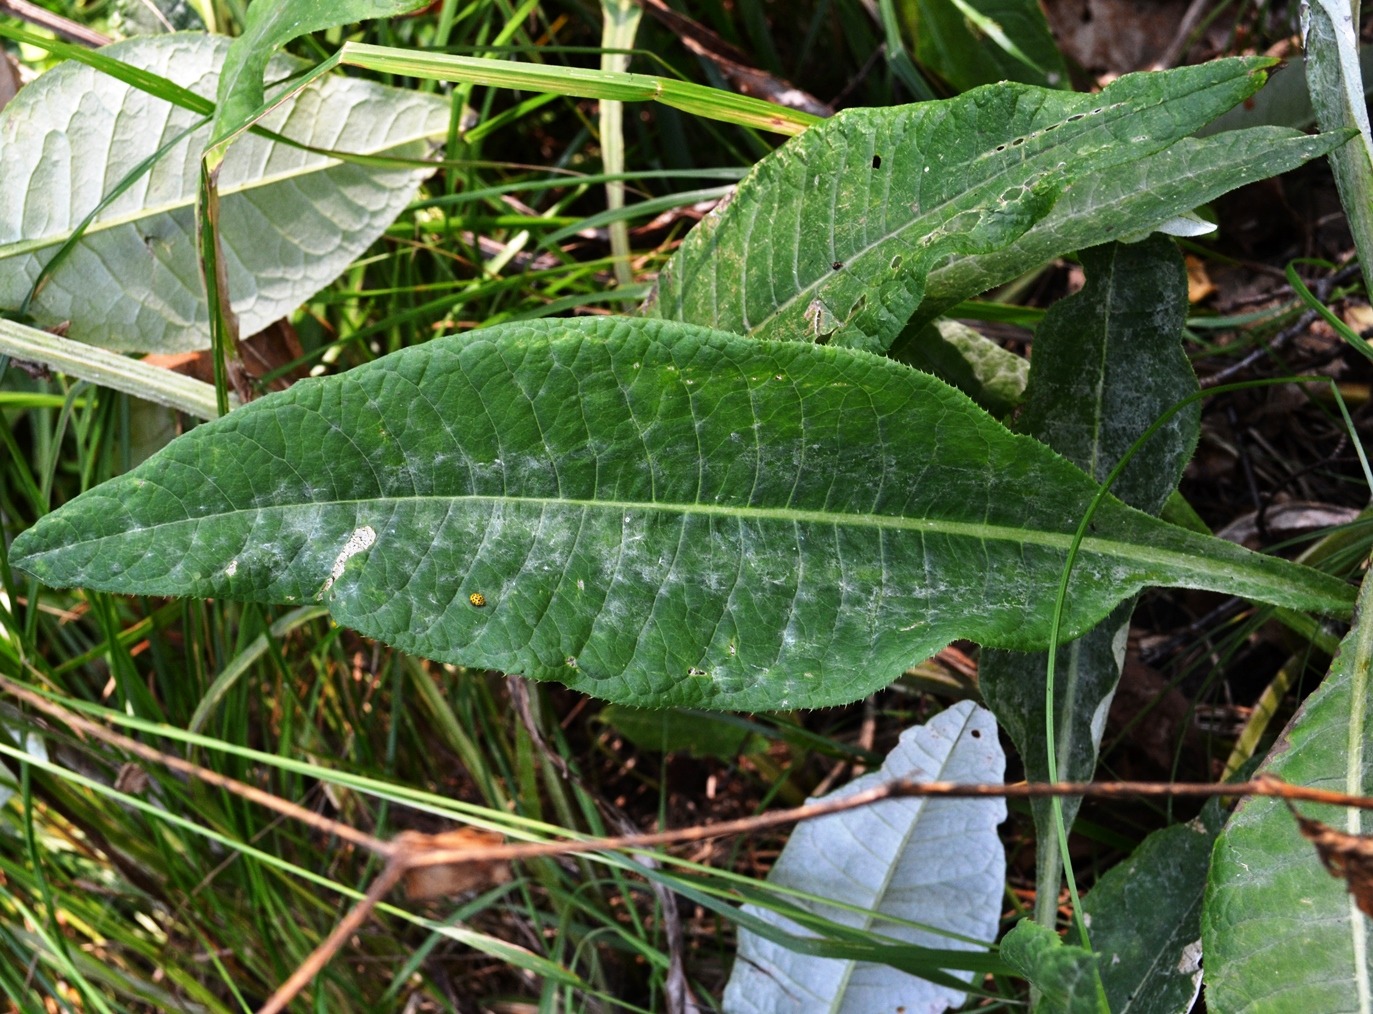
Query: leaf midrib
<point x="323" y="164"/>
<point x="1110" y="548"/>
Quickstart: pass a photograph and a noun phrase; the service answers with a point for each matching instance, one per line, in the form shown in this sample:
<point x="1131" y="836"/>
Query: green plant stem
<point x="108" y="369"/>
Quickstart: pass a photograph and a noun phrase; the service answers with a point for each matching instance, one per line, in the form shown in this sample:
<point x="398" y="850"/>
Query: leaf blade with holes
<point x="657" y="514"/>
<point x="832" y="236"/>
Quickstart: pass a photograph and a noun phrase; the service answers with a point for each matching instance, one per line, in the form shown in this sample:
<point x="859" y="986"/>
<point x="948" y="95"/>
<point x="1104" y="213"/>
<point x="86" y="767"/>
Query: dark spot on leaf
<point x="877" y="161"/>
<point x="976" y="733"/>
<point x="837" y="265"/>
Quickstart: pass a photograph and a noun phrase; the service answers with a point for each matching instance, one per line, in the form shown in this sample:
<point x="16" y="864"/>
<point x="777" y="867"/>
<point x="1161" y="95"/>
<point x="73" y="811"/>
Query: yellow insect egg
<point x="477" y="599"/>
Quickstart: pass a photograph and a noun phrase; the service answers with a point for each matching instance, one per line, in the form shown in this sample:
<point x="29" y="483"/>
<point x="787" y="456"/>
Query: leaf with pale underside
<point x="291" y="220"/>
<point x="653" y="513"/>
<point x="881" y="868"/>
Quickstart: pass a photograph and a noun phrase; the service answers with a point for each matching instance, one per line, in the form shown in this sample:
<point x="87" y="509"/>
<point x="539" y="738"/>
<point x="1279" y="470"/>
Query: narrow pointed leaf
<point x="1331" y="40"/>
<point x="1132" y="198"/>
<point x="830" y="237"/>
<point x="655" y="513"/>
<point x="892" y="863"/>
<point x="1108" y="361"/>
<point x="291" y="220"/>
<point x="1279" y="932"/>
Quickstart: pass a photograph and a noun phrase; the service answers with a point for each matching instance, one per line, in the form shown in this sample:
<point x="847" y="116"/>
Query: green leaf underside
<point x="1145" y="918"/>
<point x="655" y="513"/>
<point x="831" y="237"/>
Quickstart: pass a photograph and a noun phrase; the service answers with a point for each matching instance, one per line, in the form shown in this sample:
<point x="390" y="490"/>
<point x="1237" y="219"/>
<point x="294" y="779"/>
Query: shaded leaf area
<point x="831" y="237"/>
<point x="1008" y="41"/>
<point x="882" y="868"/>
<point x="992" y="376"/>
<point x="1063" y="974"/>
<point x="1279" y="932"/>
<point x="1108" y="362"/>
<point x="650" y="512"/>
<point x="1145" y="919"/>
<point x="77" y="144"/>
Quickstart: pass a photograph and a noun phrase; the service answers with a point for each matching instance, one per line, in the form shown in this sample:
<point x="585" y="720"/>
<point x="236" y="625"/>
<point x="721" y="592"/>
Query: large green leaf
<point x="830" y="237"/>
<point x="1108" y="361"/>
<point x="1279" y="933"/>
<point x="291" y="220"/>
<point x="652" y="512"/>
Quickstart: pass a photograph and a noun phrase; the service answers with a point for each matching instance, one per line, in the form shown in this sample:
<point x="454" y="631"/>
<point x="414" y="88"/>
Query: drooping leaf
<point x="1145" y="918"/>
<point x="974" y="42"/>
<point x="1278" y="931"/>
<point x="830" y="237"/>
<point x="291" y="220"/>
<point x="268" y="27"/>
<point x="1062" y="973"/>
<point x="1108" y="361"/>
<point x="935" y="862"/>
<point x="654" y="513"/>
